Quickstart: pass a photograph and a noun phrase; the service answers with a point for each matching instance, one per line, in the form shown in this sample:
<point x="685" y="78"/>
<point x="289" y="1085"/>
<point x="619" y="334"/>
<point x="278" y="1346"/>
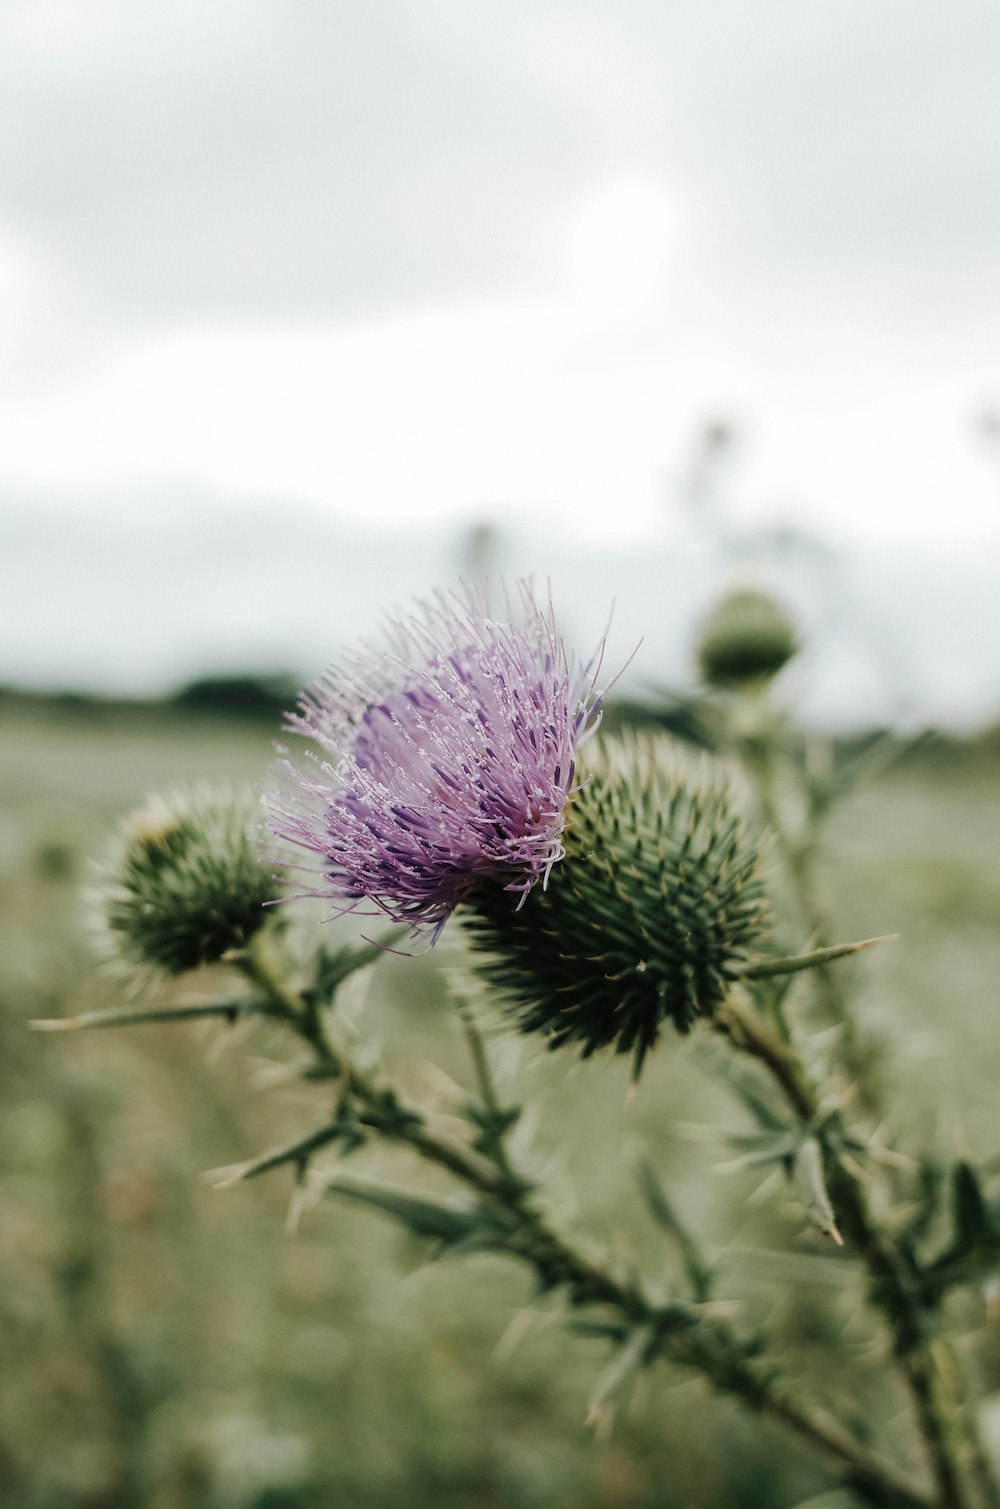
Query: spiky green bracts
<point x="654" y="910"/>
<point x="185" y="883"/>
<point x="746" y="638"/>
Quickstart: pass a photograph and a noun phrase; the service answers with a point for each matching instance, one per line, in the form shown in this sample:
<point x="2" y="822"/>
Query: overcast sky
<point x="416" y="257"/>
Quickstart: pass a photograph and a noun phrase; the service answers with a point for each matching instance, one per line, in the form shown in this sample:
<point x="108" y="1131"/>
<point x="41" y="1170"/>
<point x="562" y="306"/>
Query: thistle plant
<point x="610" y="894"/>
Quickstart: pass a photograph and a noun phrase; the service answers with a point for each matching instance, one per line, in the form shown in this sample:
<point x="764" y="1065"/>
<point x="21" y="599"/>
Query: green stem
<point x="973" y="1445"/>
<point x="480" y="1060"/>
<point x="750" y="1032"/>
<point x="800" y="853"/>
<point x="495" y="1147"/>
<point x="937" y="1412"/>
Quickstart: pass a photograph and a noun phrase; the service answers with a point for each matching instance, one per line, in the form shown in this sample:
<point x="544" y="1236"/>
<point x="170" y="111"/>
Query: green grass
<point x="165" y="1343"/>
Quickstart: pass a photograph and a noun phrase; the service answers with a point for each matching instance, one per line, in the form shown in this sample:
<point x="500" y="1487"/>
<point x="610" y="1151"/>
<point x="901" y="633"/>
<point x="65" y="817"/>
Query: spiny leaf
<point x="972" y="1222"/>
<point x="810" y="1181"/>
<point x="630" y="1358"/>
<point x="333" y="966"/>
<point x="297" y="1153"/>
<point x="764" y="968"/>
<point x="762" y="1148"/>
<point x="115" y="1017"/>
<point x="973" y="1254"/>
<point x="449" y="1223"/>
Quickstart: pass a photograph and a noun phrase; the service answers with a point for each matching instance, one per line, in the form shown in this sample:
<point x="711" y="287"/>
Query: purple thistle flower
<point x="450" y="757"/>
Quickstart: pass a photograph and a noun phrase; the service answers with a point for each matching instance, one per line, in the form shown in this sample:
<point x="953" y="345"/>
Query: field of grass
<point x="164" y="1343"/>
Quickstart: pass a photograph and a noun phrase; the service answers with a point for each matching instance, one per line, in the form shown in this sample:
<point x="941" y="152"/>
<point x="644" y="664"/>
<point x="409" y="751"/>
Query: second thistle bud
<point x="185" y="883"/>
<point x="747" y="638"/>
<point x="649" y="917"/>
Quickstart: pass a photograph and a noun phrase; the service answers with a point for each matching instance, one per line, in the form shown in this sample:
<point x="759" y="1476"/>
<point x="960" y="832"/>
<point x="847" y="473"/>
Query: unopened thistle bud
<point x="655" y="908"/>
<point x="185" y="883"/>
<point x="746" y="638"/>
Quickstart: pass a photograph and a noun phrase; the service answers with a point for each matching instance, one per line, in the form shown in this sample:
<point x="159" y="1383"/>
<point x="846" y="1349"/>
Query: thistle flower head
<point x="648" y="919"/>
<point x="448" y="755"/>
<point x="185" y="882"/>
<point x="746" y="638"/>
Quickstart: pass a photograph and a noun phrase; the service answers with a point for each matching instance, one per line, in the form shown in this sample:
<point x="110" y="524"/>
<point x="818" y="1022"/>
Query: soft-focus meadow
<point x="167" y="1343"/>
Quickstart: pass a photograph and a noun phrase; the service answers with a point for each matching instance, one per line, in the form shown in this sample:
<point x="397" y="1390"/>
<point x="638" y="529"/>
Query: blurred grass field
<point x="163" y="1343"/>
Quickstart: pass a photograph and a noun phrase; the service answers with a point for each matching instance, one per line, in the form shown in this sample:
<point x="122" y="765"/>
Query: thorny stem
<point x="711" y="1347"/>
<point x="480" y="1059"/>
<point x="799" y="852"/>
<point x="306" y="1019"/>
<point x="931" y="1371"/>
<point x="935" y="1383"/>
<point x="496" y="1146"/>
<point x="750" y="1032"/>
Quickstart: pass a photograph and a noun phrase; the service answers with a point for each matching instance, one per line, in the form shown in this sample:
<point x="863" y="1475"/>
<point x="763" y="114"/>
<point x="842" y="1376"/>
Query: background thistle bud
<point x="650" y="915"/>
<point x="185" y="883"/>
<point x="747" y="637"/>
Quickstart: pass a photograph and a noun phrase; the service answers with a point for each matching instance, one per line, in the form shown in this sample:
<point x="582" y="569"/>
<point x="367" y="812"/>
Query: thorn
<point x="226" y="1177"/>
<point x="302" y="1198"/>
<point x="768" y="967"/>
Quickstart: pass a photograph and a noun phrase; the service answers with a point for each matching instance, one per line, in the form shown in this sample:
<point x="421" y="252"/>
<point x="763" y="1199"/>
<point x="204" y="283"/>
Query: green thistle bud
<point x="747" y="637"/>
<point x="185" y="883"/>
<point x="650" y="915"/>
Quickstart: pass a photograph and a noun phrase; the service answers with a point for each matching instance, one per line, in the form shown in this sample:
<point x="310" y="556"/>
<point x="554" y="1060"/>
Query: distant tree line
<point x="265" y="697"/>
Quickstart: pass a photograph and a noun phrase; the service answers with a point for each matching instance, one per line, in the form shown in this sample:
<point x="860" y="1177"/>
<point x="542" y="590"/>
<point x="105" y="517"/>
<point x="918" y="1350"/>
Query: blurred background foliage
<point x="170" y="1344"/>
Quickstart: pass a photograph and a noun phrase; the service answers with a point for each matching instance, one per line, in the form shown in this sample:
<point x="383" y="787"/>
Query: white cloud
<point x="787" y="221"/>
<point x="618" y="245"/>
<point x="529" y="405"/>
<point x="426" y="415"/>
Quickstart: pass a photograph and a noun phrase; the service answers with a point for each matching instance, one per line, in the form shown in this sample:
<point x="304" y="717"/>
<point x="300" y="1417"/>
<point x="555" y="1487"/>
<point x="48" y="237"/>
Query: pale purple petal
<point x="448" y="759"/>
